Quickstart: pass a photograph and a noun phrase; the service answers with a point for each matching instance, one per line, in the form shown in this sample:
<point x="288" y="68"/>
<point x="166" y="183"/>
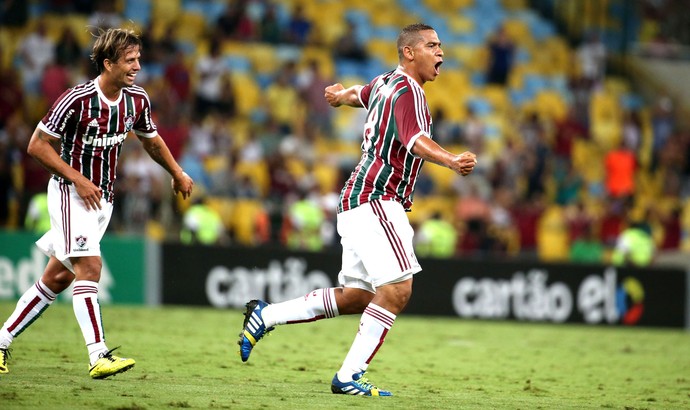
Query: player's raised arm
<point x="425" y="148"/>
<point x="338" y="95"/>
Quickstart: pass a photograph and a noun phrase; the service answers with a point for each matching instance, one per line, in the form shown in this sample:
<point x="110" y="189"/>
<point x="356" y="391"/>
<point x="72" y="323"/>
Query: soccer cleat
<point x="109" y="365"/>
<point x="253" y="328"/>
<point x="4" y="355"/>
<point x="359" y="386"/>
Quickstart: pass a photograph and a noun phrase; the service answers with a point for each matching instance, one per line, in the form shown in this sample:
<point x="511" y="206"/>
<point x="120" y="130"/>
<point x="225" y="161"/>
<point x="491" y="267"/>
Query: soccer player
<point x="378" y="261"/>
<point x="79" y="142"/>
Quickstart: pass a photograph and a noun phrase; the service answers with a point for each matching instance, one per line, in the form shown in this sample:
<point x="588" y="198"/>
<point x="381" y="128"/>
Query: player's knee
<point x="88" y="269"/>
<point x="57" y="280"/>
<point x="352" y="301"/>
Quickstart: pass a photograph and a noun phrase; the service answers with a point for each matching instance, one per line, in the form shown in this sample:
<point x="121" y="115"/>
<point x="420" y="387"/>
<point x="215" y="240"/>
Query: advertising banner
<point x="122" y="276"/>
<point x="473" y="289"/>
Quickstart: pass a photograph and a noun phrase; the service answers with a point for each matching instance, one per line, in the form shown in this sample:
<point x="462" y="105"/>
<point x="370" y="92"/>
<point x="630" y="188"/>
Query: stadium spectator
<point x="54" y="80"/>
<point x="620" y="165"/>
<point x="105" y="15"/>
<point x="14" y="13"/>
<point x="591" y="58"/>
<point x="6" y="185"/>
<point x="587" y="248"/>
<point x="299" y="27"/>
<point x="632" y="130"/>
<point x="37" y="218"/>
<point x="437" y="237"/>
<point x="446" y="131"/>
<point x="378" y="254"/>
<point x="501" y="57"/>
<point x="526" y="213"/>
<point x="82" y="186"/>
<point x="178" y="77"/>
<point x="68" y="50"/>
<point x="36" y="51"/>
<point x="310" y="83"/>
<point x="283" y="101"/>
<point x="141" y="185"/>
<point x="663" y="123"/>
<point x="635" y="246"/>
<point x="210" y="69"/>
<point x="270" y="29"/>
<point x="348" y="46"/>
<point x="235" y="23"/>
<point x="33" y="178"/>
<point x="201" y="224"/>
<point x="568" y="130"/>
<point x="304" y="220"/>
<point x="473" y="131"/>
<point x="11" y="95"/>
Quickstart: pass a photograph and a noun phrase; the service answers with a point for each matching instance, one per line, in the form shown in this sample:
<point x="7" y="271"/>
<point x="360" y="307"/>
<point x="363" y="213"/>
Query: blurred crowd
<point x="269" y="160"/>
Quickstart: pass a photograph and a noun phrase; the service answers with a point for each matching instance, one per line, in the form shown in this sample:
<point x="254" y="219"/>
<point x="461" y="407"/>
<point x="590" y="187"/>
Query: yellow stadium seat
<point x="264" y="58"/>
<point x="460" y="24"/>
<point x="243" y="221"/>
<point x="247" y="93"/>
<point x="257" y="172"/>
<point x="384" y="50"/>
<point x="587" y="158"/>
<point x="190" y="26"/>
<point x="165" y="10"/>
<point x="223" y="206"/>
<point x="498" y="97"/>
<point x="551" y="105"/>
<point x="326" y="176"/>
<point x="553" y="243"/>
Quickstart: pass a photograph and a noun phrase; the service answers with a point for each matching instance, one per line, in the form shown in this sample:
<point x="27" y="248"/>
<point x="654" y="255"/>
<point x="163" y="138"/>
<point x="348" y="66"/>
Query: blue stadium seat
<point x="237" y="63"/>
<point x="386" y="32"/>
<point x="138" y="11"/>
<point x="212" y="9"/>
<point x="480" y="106"/>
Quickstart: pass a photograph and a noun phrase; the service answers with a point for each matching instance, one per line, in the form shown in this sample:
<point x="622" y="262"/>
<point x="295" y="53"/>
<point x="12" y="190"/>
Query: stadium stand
<point x="545" y="83"/>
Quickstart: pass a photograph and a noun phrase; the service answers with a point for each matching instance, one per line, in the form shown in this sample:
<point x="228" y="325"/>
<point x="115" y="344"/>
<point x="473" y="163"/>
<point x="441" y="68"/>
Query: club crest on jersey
<point x="129" y="123"/>
<point x="81" y="243"/>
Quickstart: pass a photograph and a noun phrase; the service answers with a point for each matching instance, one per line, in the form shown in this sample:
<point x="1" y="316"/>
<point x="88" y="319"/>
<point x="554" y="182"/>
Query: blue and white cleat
<point x="254" y="328"/>
<point x="359" y="386"/>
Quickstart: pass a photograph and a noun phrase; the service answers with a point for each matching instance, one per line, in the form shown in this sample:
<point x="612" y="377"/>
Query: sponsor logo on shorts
<point x="81" y="243"/>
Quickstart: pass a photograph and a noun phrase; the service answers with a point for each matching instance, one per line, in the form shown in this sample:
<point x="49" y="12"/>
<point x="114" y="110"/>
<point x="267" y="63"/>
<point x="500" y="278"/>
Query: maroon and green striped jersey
<point x="92" y="129"/>
<point x="397" y="114"/>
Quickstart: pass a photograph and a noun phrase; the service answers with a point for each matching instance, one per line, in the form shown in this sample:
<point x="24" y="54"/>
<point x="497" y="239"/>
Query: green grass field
<point x="187" y="358"/>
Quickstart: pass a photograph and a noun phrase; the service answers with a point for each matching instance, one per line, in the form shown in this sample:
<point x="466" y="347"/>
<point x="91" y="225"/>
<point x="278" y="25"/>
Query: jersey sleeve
<point x="364" y="94"/>
<point x="144" y="125"/>
<point x="61" y="116"/>
<point x="410" y="118"/>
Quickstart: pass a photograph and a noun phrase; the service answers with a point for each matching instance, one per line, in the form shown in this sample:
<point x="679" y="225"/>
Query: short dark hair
<point x="111" y="44"/>
<point x="410" y="35"/>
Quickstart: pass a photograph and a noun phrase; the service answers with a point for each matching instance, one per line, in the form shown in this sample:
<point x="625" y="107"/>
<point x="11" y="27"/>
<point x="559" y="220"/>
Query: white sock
<point x="88" y="313"/>
<point x="29" y="307"/>
<point x="373" y="327"/>
<point x="316" y="305"/>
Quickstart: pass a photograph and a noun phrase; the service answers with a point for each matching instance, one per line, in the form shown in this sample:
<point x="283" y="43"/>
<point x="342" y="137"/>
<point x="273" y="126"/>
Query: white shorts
<point x="74" y="230"/>
<point x="377" y="246"/>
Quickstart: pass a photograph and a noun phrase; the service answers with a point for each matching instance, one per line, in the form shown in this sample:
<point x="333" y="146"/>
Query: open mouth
<point x="437" y="67"/>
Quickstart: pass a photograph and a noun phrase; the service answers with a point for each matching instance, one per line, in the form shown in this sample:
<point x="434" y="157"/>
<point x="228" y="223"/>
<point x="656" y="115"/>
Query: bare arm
<point x="337" y="95"/>
<point x="44" y="149"/>
<point x="425" y="148"/>
<point x="159" y="152"/>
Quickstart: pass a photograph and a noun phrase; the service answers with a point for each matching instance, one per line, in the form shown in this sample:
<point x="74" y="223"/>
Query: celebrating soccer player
<point x="79" y="142"/>
<point x="378" y="261"/>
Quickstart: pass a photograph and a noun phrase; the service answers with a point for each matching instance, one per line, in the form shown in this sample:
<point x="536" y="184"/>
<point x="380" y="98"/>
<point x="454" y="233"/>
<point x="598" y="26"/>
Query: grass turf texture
<point x="187" y="358"/>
